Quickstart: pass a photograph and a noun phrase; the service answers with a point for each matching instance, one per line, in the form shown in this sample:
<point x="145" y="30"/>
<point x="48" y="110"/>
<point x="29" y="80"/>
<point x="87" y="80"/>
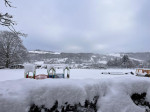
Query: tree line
<point x="123" y="62"/>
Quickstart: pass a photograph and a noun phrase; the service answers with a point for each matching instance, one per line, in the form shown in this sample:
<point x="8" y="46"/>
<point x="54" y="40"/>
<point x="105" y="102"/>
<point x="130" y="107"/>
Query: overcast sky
<point x="98" y="26"/>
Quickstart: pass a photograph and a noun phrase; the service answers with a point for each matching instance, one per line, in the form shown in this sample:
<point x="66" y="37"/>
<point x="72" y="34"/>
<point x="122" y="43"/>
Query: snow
<point x="119" y="56"/>
<point x="29" y="68"/>
<point x="39" y="63"/>
<point x="12" y="74"/>
<point x="39" y="52"/>
<point x="114" y="91"/>
<point x="58" y="65"/>
<point x="93" y="56"/>
<point x="43" y="52"/>
<point x="118" y="94"/>
<point x="103" y="62"/>
<point x="49" y="67"/>
<point x="137" y="59"/>
<point x="115" y="55"/>
<point x="57" y="60"/>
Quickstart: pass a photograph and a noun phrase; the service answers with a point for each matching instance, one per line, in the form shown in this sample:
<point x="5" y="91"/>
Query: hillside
<point x="88" y="59"/>
<point x="68" y="58"/>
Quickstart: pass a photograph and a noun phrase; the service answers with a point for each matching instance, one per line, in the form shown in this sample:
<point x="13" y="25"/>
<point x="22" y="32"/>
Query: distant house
<point x="17" y="66"/>
<point x="2" y="67"/>
<point x="143" y="72"/>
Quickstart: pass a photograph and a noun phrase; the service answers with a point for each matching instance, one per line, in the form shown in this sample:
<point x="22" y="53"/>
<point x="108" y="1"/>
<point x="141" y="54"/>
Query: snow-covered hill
<point x="88" y="59"/>
<point x="49" y="57"/>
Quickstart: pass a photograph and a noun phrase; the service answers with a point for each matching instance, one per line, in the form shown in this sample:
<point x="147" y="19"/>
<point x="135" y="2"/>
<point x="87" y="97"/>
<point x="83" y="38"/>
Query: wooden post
<point x="27" y="75"/>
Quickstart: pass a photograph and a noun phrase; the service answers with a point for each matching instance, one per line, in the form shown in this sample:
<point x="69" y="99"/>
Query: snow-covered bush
<point x="113" y="94"/>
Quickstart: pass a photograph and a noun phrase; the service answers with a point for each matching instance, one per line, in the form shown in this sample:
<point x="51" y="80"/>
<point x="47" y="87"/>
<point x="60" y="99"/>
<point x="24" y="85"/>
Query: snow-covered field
<point x="12" y="74"/>
<point x="18" y="94"/>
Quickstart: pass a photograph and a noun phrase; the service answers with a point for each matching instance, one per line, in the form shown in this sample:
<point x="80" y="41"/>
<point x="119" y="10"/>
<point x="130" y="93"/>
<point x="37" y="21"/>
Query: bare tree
<point x="12" y="50"/>
<point x="7" y="20"/>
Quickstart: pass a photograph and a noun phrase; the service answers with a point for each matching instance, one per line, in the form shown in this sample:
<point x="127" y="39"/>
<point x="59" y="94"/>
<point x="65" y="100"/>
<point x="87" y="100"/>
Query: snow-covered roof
<point x="49" y="67"/>
<point x="66" y="67"/>
<point x="29" y="68"/>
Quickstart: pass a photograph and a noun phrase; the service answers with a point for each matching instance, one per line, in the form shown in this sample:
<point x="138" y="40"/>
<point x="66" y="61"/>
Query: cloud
<point x="84" y="25"/>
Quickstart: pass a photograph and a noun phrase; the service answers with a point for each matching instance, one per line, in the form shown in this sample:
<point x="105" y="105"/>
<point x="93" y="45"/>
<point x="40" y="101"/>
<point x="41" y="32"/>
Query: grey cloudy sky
<point x="99" y="26"/>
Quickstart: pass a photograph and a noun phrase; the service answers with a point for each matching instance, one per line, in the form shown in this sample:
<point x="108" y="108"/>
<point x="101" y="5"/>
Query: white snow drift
<point x="114" y="93"/>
